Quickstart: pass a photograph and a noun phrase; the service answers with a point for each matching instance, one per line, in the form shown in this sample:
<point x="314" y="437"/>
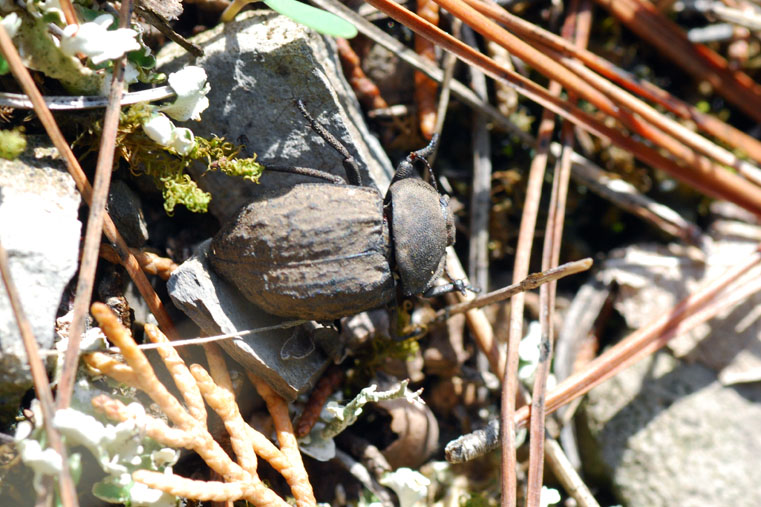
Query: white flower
<point x="11" y="23"/>
<point x="410" y="486"/>
<point x="96" y="41"/>
<point x="549" y="496"/>
<point x="191" y="88"/>
<point x="159" y="128"/>
<point x="183" y="140"/>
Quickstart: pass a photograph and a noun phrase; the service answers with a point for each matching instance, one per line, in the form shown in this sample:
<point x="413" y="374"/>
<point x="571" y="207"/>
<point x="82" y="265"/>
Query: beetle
<point x="326" y="250"/>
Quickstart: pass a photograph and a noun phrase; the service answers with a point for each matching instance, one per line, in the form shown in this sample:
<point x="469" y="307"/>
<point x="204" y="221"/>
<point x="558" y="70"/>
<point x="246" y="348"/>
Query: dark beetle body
<point x="318" y="252"/>
<point x="325" y="250"/>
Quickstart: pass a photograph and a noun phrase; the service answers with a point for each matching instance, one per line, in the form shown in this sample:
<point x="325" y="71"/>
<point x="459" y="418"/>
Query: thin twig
<point x="72" y="164"/>
<point x="89" y="262"/>
<point x="575" y="27"/>
<point x="68" y="12"/>
<point x="530" y="282"/>
<point x="646" y="339"/>
<point x="715" y="296"/>
<point x="40" y="380"/>
<point x="480" y="194"/>
<point x="567" y="475"/>
<point x="76" y="103"/>
<point x="162" y="26"/>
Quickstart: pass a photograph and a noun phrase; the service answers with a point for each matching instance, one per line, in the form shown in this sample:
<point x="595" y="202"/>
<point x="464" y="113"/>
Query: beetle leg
<point x="456" y="285"/>
<point x="308" y="171"/>
<point x="350" y="165"/>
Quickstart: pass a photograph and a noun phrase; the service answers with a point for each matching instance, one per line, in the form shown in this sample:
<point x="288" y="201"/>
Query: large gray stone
<point x="666" y="432"/>
<point x="40" y="231"/>
<point x="257" y="66"/>
<point x="285" y="358"/>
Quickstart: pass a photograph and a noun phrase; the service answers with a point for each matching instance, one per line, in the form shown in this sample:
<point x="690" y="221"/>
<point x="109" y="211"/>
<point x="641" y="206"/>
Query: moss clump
<point x="167" y="167"/>
<point x="12" y="143"/>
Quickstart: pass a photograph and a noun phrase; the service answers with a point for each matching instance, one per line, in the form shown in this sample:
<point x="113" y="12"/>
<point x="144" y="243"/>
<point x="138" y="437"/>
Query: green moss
<point x="168" y="168"/>
<point x="12" y="143"/>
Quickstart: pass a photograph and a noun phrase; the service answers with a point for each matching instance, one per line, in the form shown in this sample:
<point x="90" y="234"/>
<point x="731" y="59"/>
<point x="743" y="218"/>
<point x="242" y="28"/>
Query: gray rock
<point x="217" y="308"/>
<point x="667" y="432"/>
<point x="40" y="231"/>
<point x="127" y="212"/>
<point x="257" y="66"/>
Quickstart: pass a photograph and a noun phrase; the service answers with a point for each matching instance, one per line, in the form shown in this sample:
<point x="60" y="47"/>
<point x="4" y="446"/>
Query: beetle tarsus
<point x="456" y="285"/>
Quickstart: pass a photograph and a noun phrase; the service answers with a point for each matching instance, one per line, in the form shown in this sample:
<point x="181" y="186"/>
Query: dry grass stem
<point x="101" y="183"/>
<point x="575" y="27"/>
<point x="425" y="87"/>
<point x="41" y="387"/>
<point x="567" y="475"/>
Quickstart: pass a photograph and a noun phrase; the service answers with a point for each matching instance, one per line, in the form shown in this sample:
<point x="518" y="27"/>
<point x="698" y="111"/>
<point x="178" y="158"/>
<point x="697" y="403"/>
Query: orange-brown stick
<point x="367" y="92"/>
<point x="324" y="388"/>
<point x="425" y="87"/>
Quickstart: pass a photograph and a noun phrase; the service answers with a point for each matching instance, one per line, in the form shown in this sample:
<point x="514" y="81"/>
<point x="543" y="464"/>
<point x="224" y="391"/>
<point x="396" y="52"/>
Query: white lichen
<point x="341" y="417"/>
<point x="410" y="486"/>
<point x="97" y="42"/>
<point x="191" y="86"/>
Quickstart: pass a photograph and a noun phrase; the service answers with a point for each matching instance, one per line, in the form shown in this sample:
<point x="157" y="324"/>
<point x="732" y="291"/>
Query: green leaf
<point x="111" y="491"/>
<point x="4" y="68"/>
<point x="317" y="19"/>
<point x="142" y="58"/>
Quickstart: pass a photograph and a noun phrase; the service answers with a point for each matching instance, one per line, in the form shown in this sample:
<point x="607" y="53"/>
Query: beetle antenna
<point x="350" y="165"/>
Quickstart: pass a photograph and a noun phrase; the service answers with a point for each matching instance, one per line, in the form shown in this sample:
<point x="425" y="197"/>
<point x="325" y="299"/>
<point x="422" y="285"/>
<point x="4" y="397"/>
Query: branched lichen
<point x="168" y="168"/>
